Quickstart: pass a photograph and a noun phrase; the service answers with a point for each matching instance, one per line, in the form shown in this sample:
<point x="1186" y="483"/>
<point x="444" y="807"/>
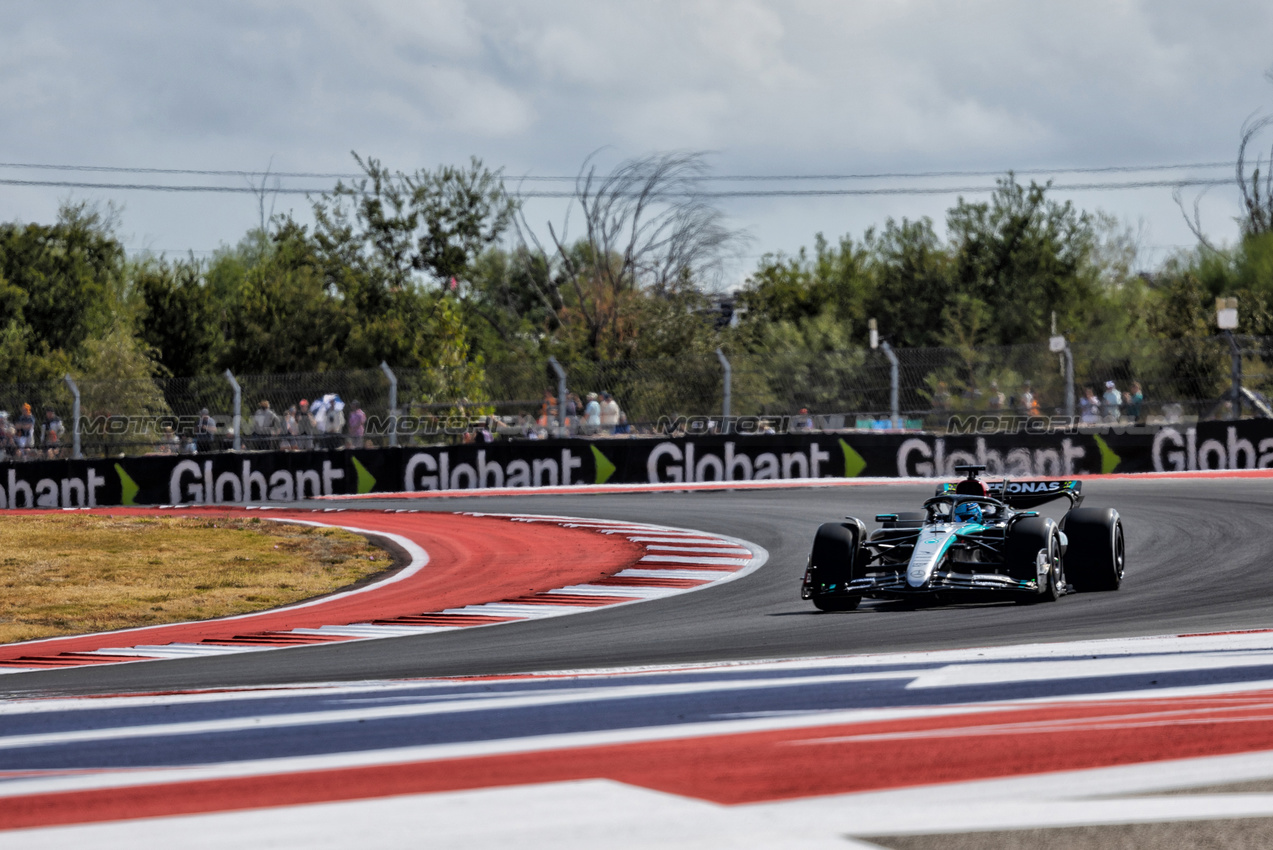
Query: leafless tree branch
<point x="1259" y="210"/>
<point x="1194" y="223"/>
<point x="646" y="227"/>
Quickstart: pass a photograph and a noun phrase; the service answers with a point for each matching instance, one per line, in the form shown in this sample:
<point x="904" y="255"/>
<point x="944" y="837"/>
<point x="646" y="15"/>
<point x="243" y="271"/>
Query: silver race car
<point x="974" y="540"/>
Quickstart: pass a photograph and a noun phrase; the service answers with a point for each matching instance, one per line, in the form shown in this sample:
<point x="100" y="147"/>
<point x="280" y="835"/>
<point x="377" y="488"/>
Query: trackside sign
<point x="284" y="477"/>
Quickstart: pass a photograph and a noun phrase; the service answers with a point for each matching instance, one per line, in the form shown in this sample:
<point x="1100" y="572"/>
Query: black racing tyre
<point x="1096" y="555"/>
<point x="831" y="564"/>
<point x="1026" y="538"/>
<point x="907" y="519"/>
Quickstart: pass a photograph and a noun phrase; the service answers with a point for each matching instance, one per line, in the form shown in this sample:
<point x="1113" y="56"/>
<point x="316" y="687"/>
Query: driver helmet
<point x="967" y="512"/>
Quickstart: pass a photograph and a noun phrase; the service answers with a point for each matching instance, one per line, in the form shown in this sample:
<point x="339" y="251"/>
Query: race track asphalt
<point x="1198" y="561"/>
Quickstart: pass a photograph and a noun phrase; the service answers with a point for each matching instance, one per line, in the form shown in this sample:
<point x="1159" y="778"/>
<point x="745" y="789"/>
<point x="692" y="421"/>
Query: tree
<point x="427" y="223"/>
<point x="1257" y="195"/>
<point x="285" y="317"/>
<point x="914" y="283"/>
<point x="116" y="376"/>
<point x="68" y="275"/>
<point x="1024" y="256"/>
<point x="180" y="319"/>
<point x="648" y="232"/>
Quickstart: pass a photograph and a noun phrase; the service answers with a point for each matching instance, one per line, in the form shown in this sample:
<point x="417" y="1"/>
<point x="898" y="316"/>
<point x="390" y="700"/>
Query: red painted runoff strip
<point x="744" y="768"/>
<point x="472" y="560"/>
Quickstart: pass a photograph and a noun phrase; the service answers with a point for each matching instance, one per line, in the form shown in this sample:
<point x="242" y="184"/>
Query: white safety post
<point x="1061" y="345"/>
<point x="726" y="388"/>
<point x="894" y="381"/>
<point x="75" y="418"/>
<point x="238" y="410"/>
<point x="1227" y="321"/>
<point x="563" y="430"/>
<point x="393" y="402"/>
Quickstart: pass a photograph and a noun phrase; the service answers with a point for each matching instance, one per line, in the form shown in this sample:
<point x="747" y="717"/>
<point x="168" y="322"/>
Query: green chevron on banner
<point x="604" y="467"/>
<point x="1109" y="460"/>
<point x="127" y="486"/>
<point x="853" y="462"/>
<point x="366" y="481"/>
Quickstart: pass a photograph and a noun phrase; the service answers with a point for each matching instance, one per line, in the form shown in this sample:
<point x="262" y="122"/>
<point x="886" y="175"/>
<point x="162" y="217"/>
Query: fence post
<point x="563" y="430"/>
<point x="727" y="387"/>
<point x="894" y="379"/>
<point x="1235" y="372"/>
<point x="75" y="417"/>
<point x="1069" y="382"/>
<point x="238" y="410"/>
<point x="393" y="402"/>
<point x="1060" y="345"/>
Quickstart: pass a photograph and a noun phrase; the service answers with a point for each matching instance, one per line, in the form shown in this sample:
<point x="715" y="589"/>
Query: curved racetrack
<point x="1197" y="561"/>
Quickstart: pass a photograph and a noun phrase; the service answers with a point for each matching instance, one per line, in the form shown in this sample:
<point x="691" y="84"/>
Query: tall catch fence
<point x="1180" y="381"/>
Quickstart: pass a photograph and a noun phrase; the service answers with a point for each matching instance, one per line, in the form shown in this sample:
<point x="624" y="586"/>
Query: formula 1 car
<point x="974" y="540"/>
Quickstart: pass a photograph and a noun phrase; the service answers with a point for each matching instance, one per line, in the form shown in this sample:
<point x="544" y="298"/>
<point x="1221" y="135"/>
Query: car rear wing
<point x="1031" y="494"/>
<point x="1027" y="494"/>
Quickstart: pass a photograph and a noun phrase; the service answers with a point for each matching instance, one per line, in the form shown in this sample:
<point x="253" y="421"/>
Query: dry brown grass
<point x="75" y="573"/>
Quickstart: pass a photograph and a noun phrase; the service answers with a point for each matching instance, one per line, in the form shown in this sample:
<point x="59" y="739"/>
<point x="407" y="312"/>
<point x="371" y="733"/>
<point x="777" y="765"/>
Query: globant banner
<point x="293" y="476"/>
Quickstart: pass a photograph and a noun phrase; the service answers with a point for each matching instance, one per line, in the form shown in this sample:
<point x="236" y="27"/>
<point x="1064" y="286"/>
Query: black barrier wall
<point x="291" y="476"/>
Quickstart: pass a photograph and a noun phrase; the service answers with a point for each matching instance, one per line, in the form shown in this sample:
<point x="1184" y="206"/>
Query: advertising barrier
<point x="292" y="476"/>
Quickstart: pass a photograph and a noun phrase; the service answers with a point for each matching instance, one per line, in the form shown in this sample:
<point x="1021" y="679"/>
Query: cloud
<point x="771" y="86"/>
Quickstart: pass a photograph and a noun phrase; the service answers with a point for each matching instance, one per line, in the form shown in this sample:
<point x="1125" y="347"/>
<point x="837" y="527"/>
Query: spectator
<point x="592" y="415"/>
<point x="547" y="409"/>
<point x="1029" y="404"/>
<point x="305" y="426"/>
<point x="572" y="413"/>
<point x="205" y="431"/>
<point x="804" y="422"/>
<point x="1112" y="399"/>
<point x="609" y="413"/>
<point x="623" y="427"/>
<point x="996" y="399"/>
<point x="265" y="426"/>
<point x="1089" y="407"/>
<point x="168" y="442"/>
<point x="1134" y="399"/>
<point x="328" y="414"/>
<point x="23" y="430"/>
<point x="6" y="436"/>
<point x="357" y="425"/>
<point x="52" y="431"/>
<point x="290" y="430"/>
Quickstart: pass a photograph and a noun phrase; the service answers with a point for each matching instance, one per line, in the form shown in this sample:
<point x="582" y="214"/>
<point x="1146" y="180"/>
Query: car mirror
<point x="886" y="517"/>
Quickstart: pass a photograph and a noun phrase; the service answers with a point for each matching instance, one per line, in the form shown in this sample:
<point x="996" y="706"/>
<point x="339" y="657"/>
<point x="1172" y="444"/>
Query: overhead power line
<point x="740" y="193"/>
<point x="894" y="175"/>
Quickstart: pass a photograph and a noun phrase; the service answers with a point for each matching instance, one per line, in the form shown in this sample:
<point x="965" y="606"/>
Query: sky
<point x="817" y="87"/>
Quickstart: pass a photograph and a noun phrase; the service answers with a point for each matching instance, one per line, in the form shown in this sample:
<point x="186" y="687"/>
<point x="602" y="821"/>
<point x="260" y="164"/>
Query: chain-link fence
<point x="1143" y="381"/>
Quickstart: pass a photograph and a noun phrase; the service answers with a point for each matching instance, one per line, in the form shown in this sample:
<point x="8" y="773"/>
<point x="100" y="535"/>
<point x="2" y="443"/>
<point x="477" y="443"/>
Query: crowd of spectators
<point x="596" y="415"/>
<point x="1113" y="407"/>
<point x="22" y="438"/>
<point x="1110" y="407"/>
<point x="329" y="423"/>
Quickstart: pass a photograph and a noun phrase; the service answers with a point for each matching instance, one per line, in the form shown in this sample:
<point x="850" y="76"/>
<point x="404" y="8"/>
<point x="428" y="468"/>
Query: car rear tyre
<point x="1096" y="555"/>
